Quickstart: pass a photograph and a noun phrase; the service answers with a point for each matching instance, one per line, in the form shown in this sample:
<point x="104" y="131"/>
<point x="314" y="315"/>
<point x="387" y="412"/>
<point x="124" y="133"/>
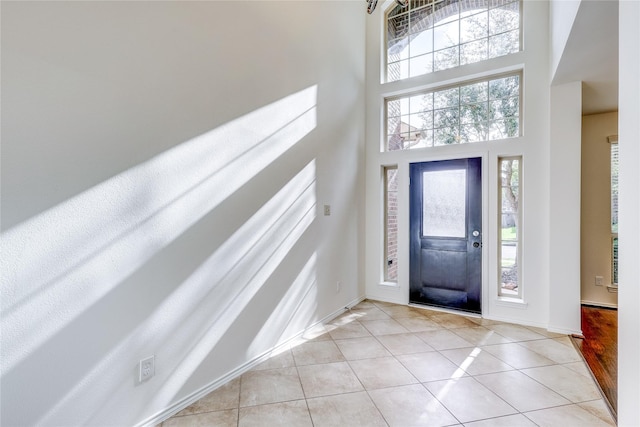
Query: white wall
<point x="562" y="14"/>
<point x="164" y="167"/>
<point x="564" y="195"/>
<point x="629" y="217"/>
<point x="534" y="146"/>
<point x="595" y="216"/>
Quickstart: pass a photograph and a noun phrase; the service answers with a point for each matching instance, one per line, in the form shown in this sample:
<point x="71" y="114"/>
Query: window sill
<point x="389" y="285"/>
<point x="512" y="302"/>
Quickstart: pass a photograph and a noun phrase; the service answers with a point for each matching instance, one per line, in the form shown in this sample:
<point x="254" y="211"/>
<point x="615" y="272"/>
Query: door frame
<point x="398" y="292"/>
<point x="473" y="208"/>
<point x="489" y="233"/>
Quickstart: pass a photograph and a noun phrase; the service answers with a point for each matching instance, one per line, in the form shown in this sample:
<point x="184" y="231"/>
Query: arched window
<point x="434" y="35"/>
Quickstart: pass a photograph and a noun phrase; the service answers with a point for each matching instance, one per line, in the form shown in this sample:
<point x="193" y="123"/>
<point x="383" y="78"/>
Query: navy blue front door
<point x="445" y="258"/>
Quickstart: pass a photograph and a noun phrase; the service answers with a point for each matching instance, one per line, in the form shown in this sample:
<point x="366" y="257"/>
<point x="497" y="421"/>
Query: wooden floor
<point x="600" y="349"/>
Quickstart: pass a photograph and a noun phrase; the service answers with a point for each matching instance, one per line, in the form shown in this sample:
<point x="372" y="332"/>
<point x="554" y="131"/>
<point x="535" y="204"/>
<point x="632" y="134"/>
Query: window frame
<point x="519" y="295"/>
<point x="386" y="39"/>
<point x="613" y="142"/>
<point x="439" y="88"/>
<point x="385" y="226"/>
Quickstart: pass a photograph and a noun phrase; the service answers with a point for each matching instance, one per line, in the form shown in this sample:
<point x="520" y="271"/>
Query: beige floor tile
<point x="430" y="366"/>
<point x="565" y="340"/>
<point x="481" y="336"/>
<point x="552" y="349"/>
<point x="468" y="400"/>
<point x="564" y="381"/>
<point x="381" y="304"/>
<point x="282" y="360"/>
<point x="317" y="333"/>
<point x="404" y="344"/>
<point x="365" y="303"/>
<point x="419" y="324"/>
<point x="443" y="339"/>
<point x="578" y="367"/>
<point x="329" y="378"/>
<point x="546" y="333"/>
<point x="600" y="409"/>
<point x="517" y="420"/>
<point x="476" y="361"/>
<point x="345" y="318"/>
<point x="411" y="405"/>
<point x="362" y="348"/>
<point x="518" y="356"/>
<point x="270" y="386"/>
<point x="453" y="321"/>
<point x="285" y="414"/>
<point x="369" y="313"/>
<point x="224" y="397"/>
<point x="516" y="332"/>
<point x="570" y="415"/>
<point x="313" y="353"/>
<point x="349" y="330"/>
<point x="388" y="349"/>
<point x="398" y="311"/>
<point x="484" y="322"/>
<point x="227" y="418"/>
<point x="351" y="409"/>
<point x="520" y="391"/>
<point x="384" y="327"/>
<point x="381" y="372"/>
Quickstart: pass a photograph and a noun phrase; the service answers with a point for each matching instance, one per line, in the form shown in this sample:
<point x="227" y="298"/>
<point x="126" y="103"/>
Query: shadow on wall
<point x="96" y="283"/>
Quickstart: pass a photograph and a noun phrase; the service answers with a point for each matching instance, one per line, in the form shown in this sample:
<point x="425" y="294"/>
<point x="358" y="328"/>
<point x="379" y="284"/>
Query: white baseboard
<point x="187" y="401"/>
<point x="598" y="304"/>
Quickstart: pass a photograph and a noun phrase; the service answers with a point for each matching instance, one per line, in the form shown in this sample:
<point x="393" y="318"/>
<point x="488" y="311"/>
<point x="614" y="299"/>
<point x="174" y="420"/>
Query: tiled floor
<point x="382" y="364"/>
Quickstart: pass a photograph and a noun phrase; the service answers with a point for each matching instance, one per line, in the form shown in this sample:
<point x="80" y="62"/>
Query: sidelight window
<point x="510" y="226"/>
<point x="390" y="178"/>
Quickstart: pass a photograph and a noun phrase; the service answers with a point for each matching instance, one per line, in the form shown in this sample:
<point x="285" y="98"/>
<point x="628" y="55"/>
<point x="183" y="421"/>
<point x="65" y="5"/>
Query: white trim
<point x="389" y="285"/>
<point x="511" y="302"/>
<point x="565" y="331"/>
<point x="165" y="414"/>
<point x="598" y="304"/>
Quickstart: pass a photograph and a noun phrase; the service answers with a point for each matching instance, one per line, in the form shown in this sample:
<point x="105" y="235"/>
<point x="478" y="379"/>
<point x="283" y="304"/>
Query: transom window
<point x="476" y="111"/>
<point x="434" y="35"/>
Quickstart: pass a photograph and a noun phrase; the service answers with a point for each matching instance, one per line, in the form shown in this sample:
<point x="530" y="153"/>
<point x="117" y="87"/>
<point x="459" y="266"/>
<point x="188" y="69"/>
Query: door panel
<point x="446" y="254"/>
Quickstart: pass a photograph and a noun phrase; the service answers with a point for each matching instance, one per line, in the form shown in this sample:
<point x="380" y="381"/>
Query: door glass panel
<point x="444" y="203"/>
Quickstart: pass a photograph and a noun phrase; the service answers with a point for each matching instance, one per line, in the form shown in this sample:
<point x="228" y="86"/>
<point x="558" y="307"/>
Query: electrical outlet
<point x="147" y="368"/>
<point x="598" y="280"/>
<point x="338" y="286"/>
<point x="327" y="210"/>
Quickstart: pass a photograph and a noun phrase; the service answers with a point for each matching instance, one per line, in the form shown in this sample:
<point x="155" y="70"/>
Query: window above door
<point x="434" y="35"/>
<point x="483" y="110"/>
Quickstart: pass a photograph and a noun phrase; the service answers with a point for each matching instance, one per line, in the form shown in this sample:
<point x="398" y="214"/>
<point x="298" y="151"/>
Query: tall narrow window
<point x="510" y="225"/>
<point x="434" y="35"/>
<point x="614" y="209"/>
<point x="390" y="223"/>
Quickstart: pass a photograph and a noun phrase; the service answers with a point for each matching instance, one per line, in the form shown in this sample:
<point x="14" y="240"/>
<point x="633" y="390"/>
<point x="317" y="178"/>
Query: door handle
<point x="476" y="244"/>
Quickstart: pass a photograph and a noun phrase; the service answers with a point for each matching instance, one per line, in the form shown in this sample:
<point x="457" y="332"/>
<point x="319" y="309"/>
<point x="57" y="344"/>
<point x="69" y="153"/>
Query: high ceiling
<point x="591" y="55"/>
